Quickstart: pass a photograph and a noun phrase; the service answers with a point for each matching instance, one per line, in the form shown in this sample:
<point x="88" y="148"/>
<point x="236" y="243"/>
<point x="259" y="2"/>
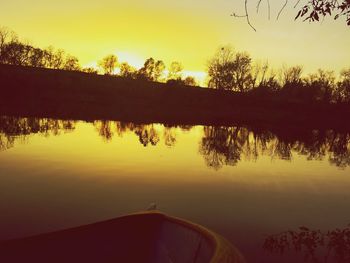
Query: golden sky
<point x="188" y="31"/>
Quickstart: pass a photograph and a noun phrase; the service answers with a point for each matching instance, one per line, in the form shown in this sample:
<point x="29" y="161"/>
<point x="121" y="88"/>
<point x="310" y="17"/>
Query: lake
<point x="244" y="183"/>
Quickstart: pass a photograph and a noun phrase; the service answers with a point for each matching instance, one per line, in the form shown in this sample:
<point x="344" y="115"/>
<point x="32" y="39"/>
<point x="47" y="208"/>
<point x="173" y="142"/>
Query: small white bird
<point x="152" y="206"/>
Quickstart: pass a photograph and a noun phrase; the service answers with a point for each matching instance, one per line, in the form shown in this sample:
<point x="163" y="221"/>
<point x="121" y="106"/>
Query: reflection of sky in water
<point x="51" y="182"/>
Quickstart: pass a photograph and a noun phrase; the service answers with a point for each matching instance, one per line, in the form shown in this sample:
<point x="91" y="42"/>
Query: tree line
<point x="235" y="71"/>
<point x="13" y="51"/>
<point x="226" y="70"/>
<point x="152" y="70"/>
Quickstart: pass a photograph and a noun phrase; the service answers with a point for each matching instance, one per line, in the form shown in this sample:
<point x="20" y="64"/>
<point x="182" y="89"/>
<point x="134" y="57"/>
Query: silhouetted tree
<point x="127" y="71"/>
<point x="292" y="75"/>
<point x="343" y="86"/>
<point x="54" y="59"/>
<point x="108" y="64"/>
<point x="271" y="84"/>
<point x="292" y="85"/>
<point x="230" y="71"/>
<point x="175" y="70"/>
<point x="14" y="52"/>
<point x="265" y="79"/>
<point x="90" y="70"/>
<point x="220" y="69"/>
<point x="152" y="70"/>
<point x="323" y="85"/>
<point x="259" y="73"/>
<point x="158" y="70"/>
<point x="242" y="75"/>
<point x="71" y="63"/>
<point x="6" y="36"/>
<point x="190" y="81"/>
<point x="37" y="57"/>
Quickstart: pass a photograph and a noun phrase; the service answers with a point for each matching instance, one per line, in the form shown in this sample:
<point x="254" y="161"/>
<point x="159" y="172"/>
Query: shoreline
<point x="38" y="92"/>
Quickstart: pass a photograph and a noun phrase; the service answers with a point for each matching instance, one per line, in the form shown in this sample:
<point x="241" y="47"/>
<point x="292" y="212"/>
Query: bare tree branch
<point x="246" y="15"/>
<point x="297" y="3"/>
<point x="258" y="6"/>
<point x="246" y="12"/>
<point x="268" y="6"/>
<point x="280" y="12"/>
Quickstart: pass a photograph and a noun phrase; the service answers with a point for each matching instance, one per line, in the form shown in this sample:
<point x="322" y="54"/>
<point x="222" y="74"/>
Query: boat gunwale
<point x="222" y="247"/>
<point x="223" y="250"/>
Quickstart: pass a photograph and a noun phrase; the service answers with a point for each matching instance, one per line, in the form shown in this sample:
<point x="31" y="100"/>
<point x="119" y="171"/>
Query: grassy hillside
<point x="40" y="92"/>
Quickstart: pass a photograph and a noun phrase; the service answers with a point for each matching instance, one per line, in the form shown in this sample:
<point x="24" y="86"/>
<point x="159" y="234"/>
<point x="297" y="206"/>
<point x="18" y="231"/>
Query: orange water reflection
<point x="262" y="182"/>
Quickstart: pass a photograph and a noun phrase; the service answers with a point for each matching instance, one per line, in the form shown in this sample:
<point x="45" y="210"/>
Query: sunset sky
<point x="181" y="30"/>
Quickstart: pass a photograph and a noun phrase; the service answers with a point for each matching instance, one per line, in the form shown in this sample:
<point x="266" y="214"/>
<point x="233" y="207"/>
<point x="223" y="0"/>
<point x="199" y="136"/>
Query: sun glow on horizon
<point x="137" y="62"/>
<point x="131" y="58"/>
<point x="184" y="31"/>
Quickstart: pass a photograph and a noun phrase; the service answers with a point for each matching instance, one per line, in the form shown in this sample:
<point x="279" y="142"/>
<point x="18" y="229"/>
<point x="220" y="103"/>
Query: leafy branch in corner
<point x="312" y="10"/>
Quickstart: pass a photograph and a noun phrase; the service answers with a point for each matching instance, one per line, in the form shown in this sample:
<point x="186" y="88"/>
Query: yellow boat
<point x="142" y="237"/>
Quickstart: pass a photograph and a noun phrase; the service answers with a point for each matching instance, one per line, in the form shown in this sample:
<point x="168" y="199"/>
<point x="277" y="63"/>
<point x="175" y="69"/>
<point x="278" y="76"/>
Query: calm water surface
<point x="244" y="184"/>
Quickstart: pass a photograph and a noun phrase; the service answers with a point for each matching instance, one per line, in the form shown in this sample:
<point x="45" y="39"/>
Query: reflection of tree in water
<point x="169" y="135"/>
<point x="222" y="145"/>
<point x="340" y="150"/>
<point x="315" y="245"/>
<point x="147" y="133"/>
<point x="14" y="129"/>
<point x="6" y="142"/>
<point x="319" y="144"/>
<point x="104" y="129"/>
<point x="186" y="128"/>
<point x="18" y="129"/>
<point x="228" y="145"/>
